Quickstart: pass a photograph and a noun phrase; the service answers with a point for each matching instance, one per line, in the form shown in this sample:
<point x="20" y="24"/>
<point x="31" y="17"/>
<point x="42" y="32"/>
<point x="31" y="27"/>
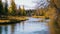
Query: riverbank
<point x="38" y="16"/>
<point x="31" y="26"/>
<point x="21" y="18"/>
<point x="11" y="19"/>
<point x="1" y="21"/>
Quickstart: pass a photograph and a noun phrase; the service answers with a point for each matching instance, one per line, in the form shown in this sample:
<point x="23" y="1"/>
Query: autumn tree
<point x="40" y="5"/>
<point x="56" y="19"/>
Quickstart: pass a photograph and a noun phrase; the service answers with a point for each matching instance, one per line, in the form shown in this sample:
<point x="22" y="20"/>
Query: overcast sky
<point x="28" y="4"/>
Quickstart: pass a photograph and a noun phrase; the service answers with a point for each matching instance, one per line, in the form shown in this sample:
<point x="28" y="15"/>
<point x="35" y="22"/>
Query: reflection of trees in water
<point x="23" y="25"/>
<point x="6" y="29"/>
<point x="12" y="28"/>
<point x="0" y="30"/>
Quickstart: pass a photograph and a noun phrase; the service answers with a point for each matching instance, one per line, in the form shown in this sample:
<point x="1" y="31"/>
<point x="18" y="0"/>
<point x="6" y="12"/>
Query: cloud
<point x="27" y="3"/>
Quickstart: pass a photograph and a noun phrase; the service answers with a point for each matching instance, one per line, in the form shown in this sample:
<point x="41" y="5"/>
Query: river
<point x="31" y="26"/>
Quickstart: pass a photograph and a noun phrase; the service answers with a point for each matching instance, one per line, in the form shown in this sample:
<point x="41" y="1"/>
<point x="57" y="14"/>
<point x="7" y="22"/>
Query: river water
<point x="31" y="26"/>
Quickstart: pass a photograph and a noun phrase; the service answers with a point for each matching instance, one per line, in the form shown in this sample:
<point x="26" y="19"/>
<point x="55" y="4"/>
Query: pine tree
<point x="6" y="8"/>
<point x="1" y="8"/>
<point x="23" y="11"/>
<point x="13" y="7"/>
<point x="19" y="11"/>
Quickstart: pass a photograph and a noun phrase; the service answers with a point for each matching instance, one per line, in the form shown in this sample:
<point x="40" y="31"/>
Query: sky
<point x="28" y="4"/>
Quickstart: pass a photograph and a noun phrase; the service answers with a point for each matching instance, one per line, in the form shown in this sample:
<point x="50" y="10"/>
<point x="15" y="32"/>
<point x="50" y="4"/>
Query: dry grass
<point x="4" y="21"/>
<point x="38" y="16"/>
<point x="17" y="18"/>
<point x="14" y="18"/>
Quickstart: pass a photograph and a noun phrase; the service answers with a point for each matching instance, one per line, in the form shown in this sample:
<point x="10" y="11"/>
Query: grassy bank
<point x="38" y="16"/>
<point x="18" y="18"/>
<point x="2" y="21"/>
<point x="13" y="19"/>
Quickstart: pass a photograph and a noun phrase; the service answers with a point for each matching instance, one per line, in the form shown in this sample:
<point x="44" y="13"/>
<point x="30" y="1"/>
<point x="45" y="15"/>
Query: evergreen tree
<point x="6" y="8"/>
<point x="13" y="5"/>
<point x="19" y="11"/>
<point x="1" y="8"/>
<point x="23" y="12"/>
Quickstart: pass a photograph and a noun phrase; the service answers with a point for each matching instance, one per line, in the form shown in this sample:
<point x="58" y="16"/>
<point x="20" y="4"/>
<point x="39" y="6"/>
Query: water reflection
<point x="5" y="29"/>
<point x="12" y="28"/>
<point x="0" y="30"/>
<point x="26" y="27"/>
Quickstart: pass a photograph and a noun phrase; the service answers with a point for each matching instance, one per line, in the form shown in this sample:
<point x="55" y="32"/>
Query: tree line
<point x="13" y="11"/>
